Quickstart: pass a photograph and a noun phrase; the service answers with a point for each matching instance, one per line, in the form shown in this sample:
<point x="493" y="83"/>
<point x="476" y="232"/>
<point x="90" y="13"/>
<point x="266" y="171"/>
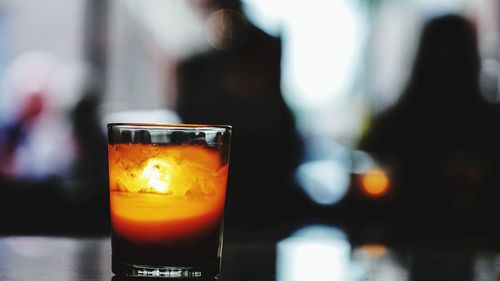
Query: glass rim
<point x="172" y="126"/>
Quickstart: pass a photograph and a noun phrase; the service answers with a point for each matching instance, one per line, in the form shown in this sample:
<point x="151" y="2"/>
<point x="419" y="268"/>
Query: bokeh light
<point x="375" y="183"/>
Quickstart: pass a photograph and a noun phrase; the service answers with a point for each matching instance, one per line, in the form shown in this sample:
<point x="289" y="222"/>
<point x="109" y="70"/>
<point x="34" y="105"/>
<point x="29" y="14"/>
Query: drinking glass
<point x="167" y="193"/>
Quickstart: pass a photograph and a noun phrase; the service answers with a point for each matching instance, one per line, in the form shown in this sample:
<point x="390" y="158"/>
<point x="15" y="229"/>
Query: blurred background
<point x="359" y="112"/>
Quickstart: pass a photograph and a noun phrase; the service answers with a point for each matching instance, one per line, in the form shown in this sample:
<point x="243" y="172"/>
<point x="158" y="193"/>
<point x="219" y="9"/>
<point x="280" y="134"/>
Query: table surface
<point x="311" y="252"/>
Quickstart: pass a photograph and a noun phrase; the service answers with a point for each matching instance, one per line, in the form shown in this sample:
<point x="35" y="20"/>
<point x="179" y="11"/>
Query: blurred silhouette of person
<point x="441" y="140"/>
<point x="237" y="83"/>
<point x="90" y="192"/>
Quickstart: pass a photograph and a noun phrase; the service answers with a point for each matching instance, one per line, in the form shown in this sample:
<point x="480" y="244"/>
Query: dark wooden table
<point x="313" y="252"/>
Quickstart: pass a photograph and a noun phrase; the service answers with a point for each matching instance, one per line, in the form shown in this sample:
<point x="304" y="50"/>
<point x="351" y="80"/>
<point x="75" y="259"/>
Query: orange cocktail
<point x="167" y="202"/>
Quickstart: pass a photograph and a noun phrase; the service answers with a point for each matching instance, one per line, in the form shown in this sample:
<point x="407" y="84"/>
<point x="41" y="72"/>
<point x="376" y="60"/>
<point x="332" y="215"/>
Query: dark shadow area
<point x="91" y="197"/>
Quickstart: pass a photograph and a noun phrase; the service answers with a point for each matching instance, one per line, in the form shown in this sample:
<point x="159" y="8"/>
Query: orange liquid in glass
<point x="165" y="194"/>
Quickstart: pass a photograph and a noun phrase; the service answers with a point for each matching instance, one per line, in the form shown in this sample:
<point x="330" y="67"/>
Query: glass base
<point x="177" y="272"/>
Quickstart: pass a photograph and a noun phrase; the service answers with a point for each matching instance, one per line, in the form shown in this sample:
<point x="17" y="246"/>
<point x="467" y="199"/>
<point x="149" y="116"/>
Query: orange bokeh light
<point x="374" y="250"/>
<point x="375" y="183"/>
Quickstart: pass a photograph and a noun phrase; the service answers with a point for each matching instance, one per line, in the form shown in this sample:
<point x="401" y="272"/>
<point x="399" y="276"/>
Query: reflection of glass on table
<point x="167" y="192"/>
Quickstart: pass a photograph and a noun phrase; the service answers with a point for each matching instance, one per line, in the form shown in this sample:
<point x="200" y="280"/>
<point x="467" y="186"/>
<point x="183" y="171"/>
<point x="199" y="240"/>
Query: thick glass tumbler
<point x="167" y="192"/>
